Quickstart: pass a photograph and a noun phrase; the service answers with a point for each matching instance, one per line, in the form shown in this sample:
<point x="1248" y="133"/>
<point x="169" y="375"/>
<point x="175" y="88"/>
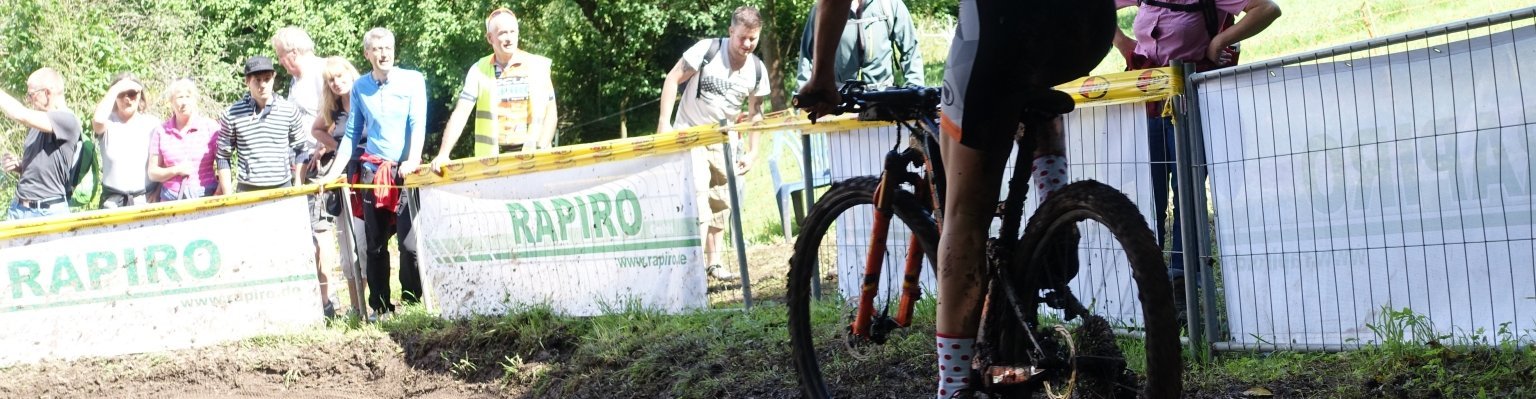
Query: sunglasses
<point x="131" y="95"/>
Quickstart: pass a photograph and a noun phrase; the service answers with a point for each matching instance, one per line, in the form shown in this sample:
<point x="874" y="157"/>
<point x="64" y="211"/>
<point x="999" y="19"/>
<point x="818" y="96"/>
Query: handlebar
<point x="892" y="104"/>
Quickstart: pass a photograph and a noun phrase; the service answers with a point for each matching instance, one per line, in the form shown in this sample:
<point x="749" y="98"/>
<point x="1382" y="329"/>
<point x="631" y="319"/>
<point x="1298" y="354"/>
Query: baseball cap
<point x="258" y="64"/>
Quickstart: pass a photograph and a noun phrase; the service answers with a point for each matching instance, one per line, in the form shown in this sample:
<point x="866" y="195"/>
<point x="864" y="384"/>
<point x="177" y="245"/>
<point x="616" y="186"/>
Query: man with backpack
<point x="718" y="76"/>
<point x="46" y="167"/>
<point x="877" y="32"/>
<point x="1201" y="31"/>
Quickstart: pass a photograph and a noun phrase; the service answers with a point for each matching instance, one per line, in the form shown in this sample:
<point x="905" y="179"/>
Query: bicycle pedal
<point x="1012" y="375"/>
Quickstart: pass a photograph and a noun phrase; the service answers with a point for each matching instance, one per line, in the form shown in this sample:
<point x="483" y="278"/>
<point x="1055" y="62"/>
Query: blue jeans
<point x="1164" y="176"/>
<point x="18" y="212"/>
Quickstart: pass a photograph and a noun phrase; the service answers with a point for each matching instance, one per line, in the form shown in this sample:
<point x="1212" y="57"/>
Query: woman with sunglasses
<point x="124" y="128"/>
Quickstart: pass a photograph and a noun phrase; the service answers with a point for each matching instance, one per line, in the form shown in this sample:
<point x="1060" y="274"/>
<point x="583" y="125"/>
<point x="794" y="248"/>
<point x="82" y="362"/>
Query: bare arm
<point x="109" y="103"/>
<point x="551" y="124"/>
<point x="28" y="117"/>
<point x="1257" y="16"/>
<point x="456" y="122"/>
<point x="821" y="90"/>
<point x="679" y="73"/>
<point x="225" y="148"/>
<point x="321" y="130"/>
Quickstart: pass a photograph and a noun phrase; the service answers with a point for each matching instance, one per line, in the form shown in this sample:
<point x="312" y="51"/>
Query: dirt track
<point x="329" y="365"/>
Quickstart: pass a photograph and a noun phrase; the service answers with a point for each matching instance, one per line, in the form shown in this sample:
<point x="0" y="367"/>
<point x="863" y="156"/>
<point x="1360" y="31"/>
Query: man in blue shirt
<point x="389" y="109"/>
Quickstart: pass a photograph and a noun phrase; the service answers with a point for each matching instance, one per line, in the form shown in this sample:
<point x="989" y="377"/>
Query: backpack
<point x="84" y="188"/>
<point x="714" y="48"/>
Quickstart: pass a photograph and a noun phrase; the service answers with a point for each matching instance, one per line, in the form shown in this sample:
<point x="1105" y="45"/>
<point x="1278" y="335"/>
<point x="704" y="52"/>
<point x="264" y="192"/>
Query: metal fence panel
<point x="1376" y="178"/>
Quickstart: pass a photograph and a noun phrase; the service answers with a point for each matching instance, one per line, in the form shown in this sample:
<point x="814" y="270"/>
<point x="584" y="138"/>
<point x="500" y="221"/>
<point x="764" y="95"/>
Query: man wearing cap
<point x="389" y="107"/>
<point x="265" y="130"/>
<point x="48" y="154"/>
<point x="510" y="94"/>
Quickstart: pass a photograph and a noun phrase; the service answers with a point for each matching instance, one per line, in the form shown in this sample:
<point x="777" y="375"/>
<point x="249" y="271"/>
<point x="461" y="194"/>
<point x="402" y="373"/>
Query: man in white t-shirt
<point x="722" y="74"/>
<point x="124" y="127"/>
<point x="296" y="52"/>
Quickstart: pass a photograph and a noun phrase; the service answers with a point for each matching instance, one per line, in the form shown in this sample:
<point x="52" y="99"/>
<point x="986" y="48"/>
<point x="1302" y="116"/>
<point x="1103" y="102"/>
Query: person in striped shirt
<point x="264" y="130"/>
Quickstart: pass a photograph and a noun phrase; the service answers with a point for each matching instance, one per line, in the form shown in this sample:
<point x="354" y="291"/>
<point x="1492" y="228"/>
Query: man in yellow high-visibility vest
<point x="510" y="94"/>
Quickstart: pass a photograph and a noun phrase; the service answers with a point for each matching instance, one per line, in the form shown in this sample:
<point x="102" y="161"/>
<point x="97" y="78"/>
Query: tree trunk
<point x="773" y="56"/>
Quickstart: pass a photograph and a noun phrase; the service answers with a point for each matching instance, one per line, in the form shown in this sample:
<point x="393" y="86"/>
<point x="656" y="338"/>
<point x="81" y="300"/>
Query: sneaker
<point x="719" y="273"/>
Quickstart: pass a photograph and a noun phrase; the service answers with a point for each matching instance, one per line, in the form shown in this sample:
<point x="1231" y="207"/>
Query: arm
<point x="224" y="147"/>
<point x="321" y="131"/>
<point x="1257" y="16"/>
<point x="28" y="117"/>
<point x="906" y="37"/>
<point x="354" y="125"/>
<point x="460" y="117"/>
<point x="680" y="72"/>
<point x="416" y="121"/>
<point x="754" y="114"/>
<point x="551" y="122"/>
<point x="108" y="104"/>
<point x="821" y="89"/>
<point x="296" y="144"/>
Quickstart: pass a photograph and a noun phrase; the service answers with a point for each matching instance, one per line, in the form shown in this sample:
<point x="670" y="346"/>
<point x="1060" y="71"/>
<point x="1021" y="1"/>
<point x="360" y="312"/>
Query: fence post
<point x="1199" y="165"/>
<point x="1187" y="208"/>
<point x="809" y="195"/>
<point x="738" y="237"/>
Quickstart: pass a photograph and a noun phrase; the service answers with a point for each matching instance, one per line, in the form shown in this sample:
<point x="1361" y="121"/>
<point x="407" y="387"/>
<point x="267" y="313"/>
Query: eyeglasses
<point x="33" y="92"/>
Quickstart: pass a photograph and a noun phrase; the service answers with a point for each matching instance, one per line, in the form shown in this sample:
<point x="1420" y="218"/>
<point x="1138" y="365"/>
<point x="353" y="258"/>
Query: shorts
<point x="719" y="188"/>
<point x="1000" y="65"/>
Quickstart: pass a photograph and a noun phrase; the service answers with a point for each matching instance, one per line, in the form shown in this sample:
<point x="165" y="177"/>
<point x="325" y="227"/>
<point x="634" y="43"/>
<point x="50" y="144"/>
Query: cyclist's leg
<point x="977" y="81"/>
<point x="1049" y="169"/>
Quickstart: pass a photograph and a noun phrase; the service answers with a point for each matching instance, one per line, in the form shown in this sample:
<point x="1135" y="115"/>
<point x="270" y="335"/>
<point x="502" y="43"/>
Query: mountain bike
<point x="1035" y="334"/>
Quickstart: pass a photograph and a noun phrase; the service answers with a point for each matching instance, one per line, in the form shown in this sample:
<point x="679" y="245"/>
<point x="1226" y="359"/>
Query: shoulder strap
<point x="1196" y="7"/>
<point x="714" y="47"/>
<point x="1209" y="9"/>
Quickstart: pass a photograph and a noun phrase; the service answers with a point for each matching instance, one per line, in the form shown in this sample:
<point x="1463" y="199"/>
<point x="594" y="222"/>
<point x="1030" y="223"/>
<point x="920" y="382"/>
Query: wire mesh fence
<point x="1350" y="185"/>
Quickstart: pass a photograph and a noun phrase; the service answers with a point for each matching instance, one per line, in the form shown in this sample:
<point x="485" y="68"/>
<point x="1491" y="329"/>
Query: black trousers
<point x="378" y="225"/>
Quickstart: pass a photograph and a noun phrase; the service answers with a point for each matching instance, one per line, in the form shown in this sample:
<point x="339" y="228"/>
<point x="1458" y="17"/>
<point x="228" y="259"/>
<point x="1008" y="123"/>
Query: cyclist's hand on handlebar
<point x="818" y="98"/>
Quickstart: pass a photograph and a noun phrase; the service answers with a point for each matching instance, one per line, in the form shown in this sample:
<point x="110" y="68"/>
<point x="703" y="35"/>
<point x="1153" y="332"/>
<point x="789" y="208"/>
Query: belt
<point x="41" y="204"/>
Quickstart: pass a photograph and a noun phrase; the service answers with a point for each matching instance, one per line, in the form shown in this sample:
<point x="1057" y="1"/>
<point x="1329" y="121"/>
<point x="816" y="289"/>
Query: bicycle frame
<point x="930" y="186"/>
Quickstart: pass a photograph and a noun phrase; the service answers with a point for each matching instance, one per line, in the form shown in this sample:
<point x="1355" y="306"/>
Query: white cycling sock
<point x="1050" y="174"/>
<point x="954" y="364"/>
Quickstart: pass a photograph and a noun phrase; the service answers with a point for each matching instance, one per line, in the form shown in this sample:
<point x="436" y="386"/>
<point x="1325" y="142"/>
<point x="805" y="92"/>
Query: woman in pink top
<point x="181" y="151"/>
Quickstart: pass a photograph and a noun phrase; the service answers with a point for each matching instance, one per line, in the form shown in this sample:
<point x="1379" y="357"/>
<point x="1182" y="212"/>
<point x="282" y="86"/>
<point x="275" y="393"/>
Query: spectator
<point x="1183" y="30"/>
<point x="296" y="52"/>
<point x="878" y="38"/>
<point x="328" y="129"/>
<point x="125" y="131"/>
<point x="721" y="75"/>
<point x="181" y="151"/>
<point x="47" y="161"/>
<point x="264" y="130"/>
<point x="510" y="94"/>
<point x="389" y="108"/>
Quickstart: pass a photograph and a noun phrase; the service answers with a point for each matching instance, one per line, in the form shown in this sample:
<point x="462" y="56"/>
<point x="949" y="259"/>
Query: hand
<point x="744" y="164"/>
<point x="126" y="85"/>
<point x="1217" y="52"/>
<point x="10" y="163"/>
<point x="409" y="167"/>
<point x="437" y="164"/>
<point x="819" y="97"/>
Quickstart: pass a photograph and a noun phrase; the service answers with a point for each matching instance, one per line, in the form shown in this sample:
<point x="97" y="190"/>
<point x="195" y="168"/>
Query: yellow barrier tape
<point x="798" y="121"/>
<point x="75" y="221"/>
<point x="1127" y="87"/>
<point x="566" y="157"/>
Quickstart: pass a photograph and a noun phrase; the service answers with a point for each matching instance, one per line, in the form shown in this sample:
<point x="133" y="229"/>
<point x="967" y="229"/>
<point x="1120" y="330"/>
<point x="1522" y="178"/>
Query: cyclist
<point x="998" y="66"/>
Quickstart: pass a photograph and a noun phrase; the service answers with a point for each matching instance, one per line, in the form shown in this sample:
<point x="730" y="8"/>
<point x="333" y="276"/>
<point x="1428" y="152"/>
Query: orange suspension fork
<point x="872" y="263"/>
<point x="910" y="288"/>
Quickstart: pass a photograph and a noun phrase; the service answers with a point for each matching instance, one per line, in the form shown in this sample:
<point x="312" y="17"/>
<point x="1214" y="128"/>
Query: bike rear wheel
<point x="1095" y="222"/>
<point x="847" y="206"/>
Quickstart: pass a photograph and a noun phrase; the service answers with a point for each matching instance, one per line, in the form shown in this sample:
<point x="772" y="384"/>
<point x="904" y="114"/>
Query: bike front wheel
<point x="822" y="299"/>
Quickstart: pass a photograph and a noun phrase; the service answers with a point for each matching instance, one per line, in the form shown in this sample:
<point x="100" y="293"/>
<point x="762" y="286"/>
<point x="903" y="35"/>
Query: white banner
<point x="585" y="240"/>
<point x="190" y="280"/>
<point x="1401" y="180"/>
